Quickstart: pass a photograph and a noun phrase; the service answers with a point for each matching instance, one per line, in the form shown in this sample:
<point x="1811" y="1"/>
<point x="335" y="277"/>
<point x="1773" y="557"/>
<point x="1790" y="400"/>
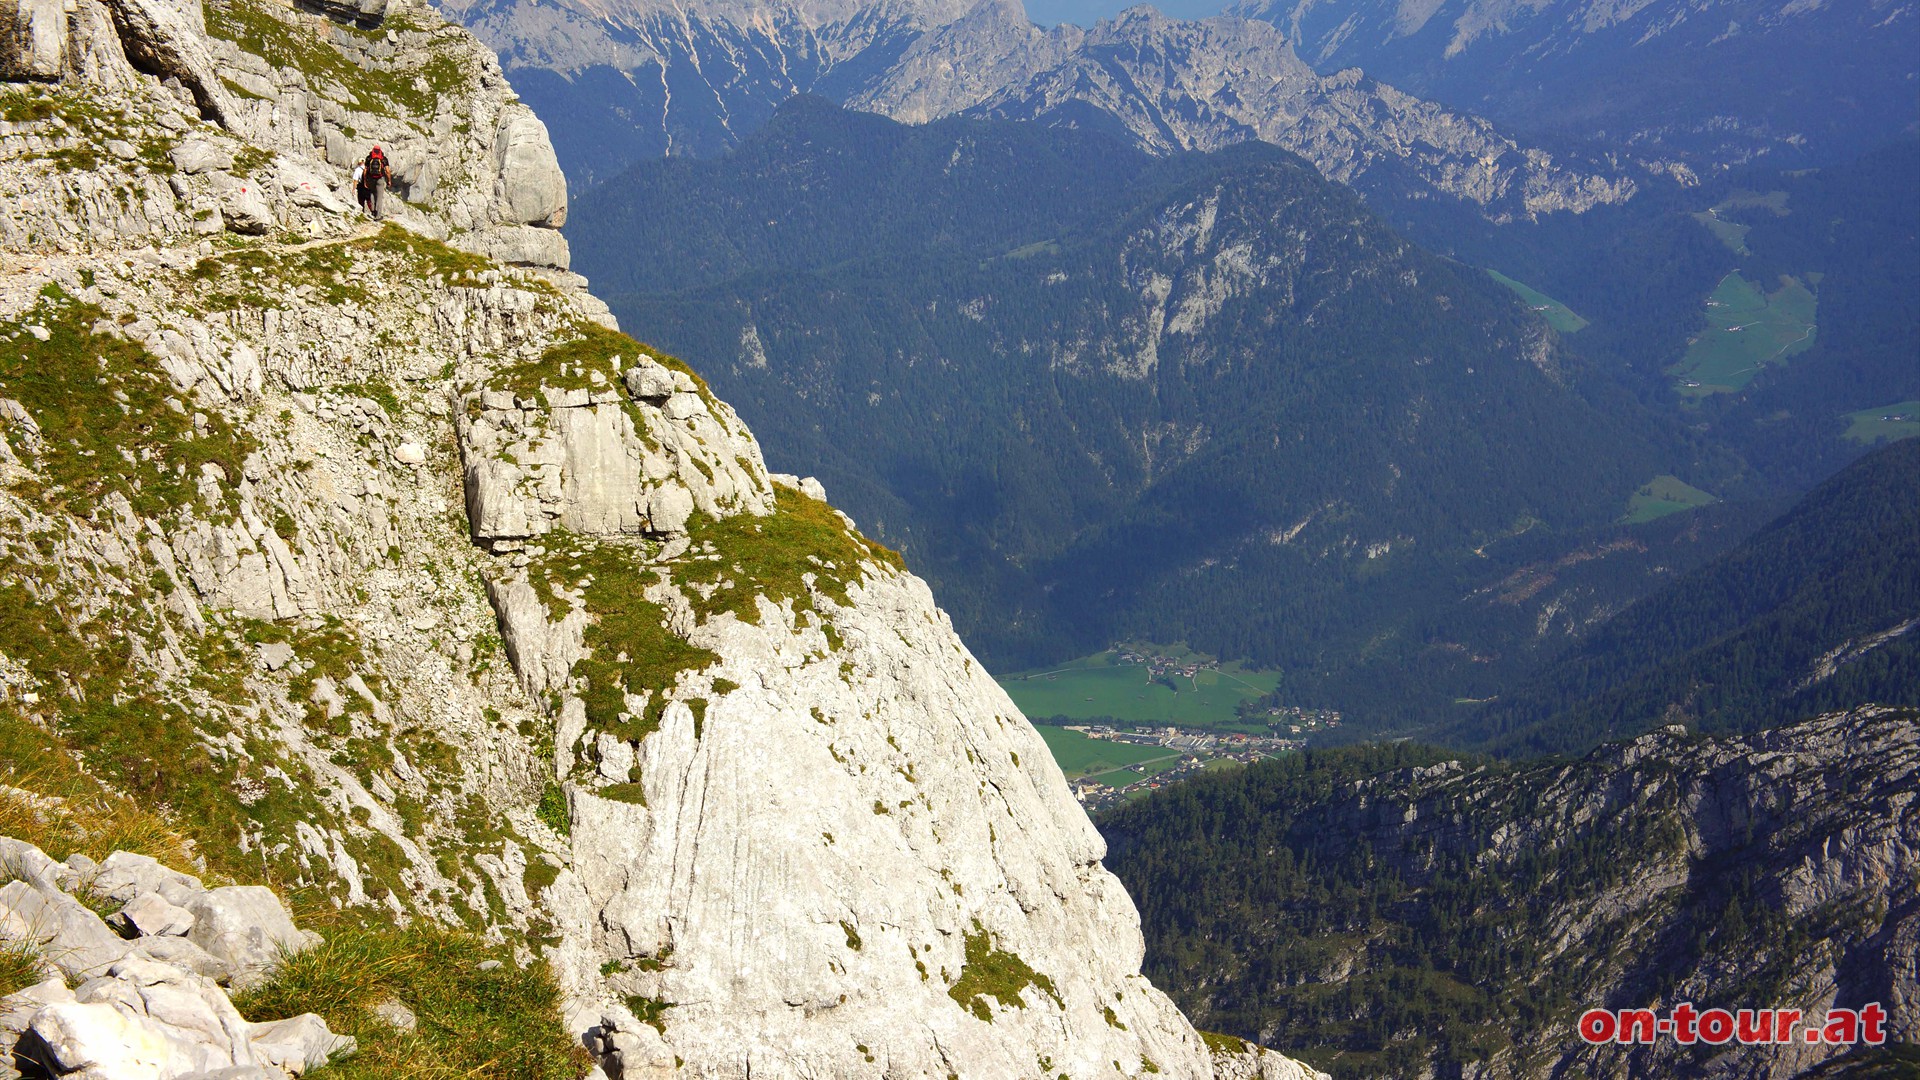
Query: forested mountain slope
<point x="1817" y="610"/>
<point x="1399" y="911"/>
<point x="1095" y="393"/>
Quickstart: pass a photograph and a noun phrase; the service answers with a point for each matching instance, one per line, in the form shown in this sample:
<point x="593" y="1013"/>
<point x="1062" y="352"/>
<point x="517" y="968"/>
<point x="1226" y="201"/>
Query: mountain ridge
<point x="1399" y="910"/>
<point x="684" y="82"/>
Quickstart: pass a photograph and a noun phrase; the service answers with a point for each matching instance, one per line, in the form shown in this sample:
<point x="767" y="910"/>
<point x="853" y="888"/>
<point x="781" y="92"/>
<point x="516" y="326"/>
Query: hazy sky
<point x="1088" y="12"/>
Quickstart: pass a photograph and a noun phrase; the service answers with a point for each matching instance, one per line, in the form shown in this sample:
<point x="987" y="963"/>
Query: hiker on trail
<point x="367" y="178"/>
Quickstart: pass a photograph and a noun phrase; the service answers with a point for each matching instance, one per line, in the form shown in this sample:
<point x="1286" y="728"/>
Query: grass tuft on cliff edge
<point x="501" y="1022"/>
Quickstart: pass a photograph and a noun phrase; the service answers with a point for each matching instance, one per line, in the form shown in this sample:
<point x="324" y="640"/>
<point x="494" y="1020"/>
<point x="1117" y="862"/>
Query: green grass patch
<point x="992" y="972"/>
<point x="19" y="967"/>
<point x="1078" y="755"/>
<point x="1731" y="232"/>
<point x="503" y="1022"/>
<point x="631" y="650"/>
<point x="773" y="556"/>
<point x="240" y="278"/>
<point x="1747" y="329"/>
<point x="431" y="258"/>
<point x="591" y="349"/>
<point x="1223" y="1044"/>
<point x="88" y="121"/>
<point x="1901" y="420"/>
<point x="1100" y="687"/>
<point x="101" y="714"/>
<point x="635" y="794"/>
<point x="552" y="809"/>
<point x="1558" y="315"/>
<point x="1661" y="496"/>
<point x="109" y="419"/>
<point x="27" y="105"/>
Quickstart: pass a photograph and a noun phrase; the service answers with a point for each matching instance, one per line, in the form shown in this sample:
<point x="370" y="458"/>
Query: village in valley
<point x="1138" y="717"/>
<point x="1187" y="753"/>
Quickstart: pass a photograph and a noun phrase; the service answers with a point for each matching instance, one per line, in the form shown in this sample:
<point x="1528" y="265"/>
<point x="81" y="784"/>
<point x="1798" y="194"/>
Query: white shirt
<point x="359" y="170"/>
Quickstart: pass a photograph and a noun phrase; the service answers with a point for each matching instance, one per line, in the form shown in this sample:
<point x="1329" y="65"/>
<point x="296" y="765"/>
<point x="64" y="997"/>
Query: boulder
<point x="72" y="938"/>
<point x="97" y="1041"/>
<point x="416" y="169"/>
<point x="244" y="208"/>
<point x="637" y="1050"/>
<point x="668" y="509"/>
<point x="196" y="156"/>
<point x="21" y="860"/>
<point x="150" y="915"/>
<point x="650" y="381"/>
<point x="185" y="955"/>
<point x="520" y="245"/>
<point x="124" y="875"/>
<point x="189" y="1008"/>
<point x="299" y="1043"/>
<point x="532" y="189"/>
<point x="247" y="927"/>
<point x="305" y="186"/>
<point x="18" y="1009"/>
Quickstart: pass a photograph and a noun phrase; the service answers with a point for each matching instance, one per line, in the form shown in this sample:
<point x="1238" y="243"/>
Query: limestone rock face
<point x="168" y="38"/>
<point x="835" y="850"/>
<point x="532" y="187"/>
<point x="37" y="38"/>
<point x="606" y="459"/>
<point x="476" y="612"/>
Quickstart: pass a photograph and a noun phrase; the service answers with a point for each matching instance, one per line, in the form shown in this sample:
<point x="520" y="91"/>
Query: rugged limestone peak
<point x="1203" y="84"/>
<point x="375" y="557"/>
<point x="638" y="81"/>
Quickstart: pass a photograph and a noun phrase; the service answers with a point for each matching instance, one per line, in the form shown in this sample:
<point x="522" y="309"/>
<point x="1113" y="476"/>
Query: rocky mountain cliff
<point x="1405" y="912"/>
<point x="639" y="80"/>
<point x="376" y="561"/>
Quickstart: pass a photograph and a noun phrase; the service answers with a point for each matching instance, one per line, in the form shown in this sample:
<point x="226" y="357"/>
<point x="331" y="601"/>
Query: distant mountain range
<point x="639" y="79"/>
<point x="1094" y="392"/>
<point x="1711" y="81"/>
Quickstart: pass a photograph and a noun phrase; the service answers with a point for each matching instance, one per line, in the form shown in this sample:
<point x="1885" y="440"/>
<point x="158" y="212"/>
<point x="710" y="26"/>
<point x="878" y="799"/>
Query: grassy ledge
<point x="773" y="557"/>
<point x="589" y="350"/>
<point x="631" y="649"/>
<point x="498" y="1021"/>
<point x="109" y="419"/>
<point x="800" y="548"/>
